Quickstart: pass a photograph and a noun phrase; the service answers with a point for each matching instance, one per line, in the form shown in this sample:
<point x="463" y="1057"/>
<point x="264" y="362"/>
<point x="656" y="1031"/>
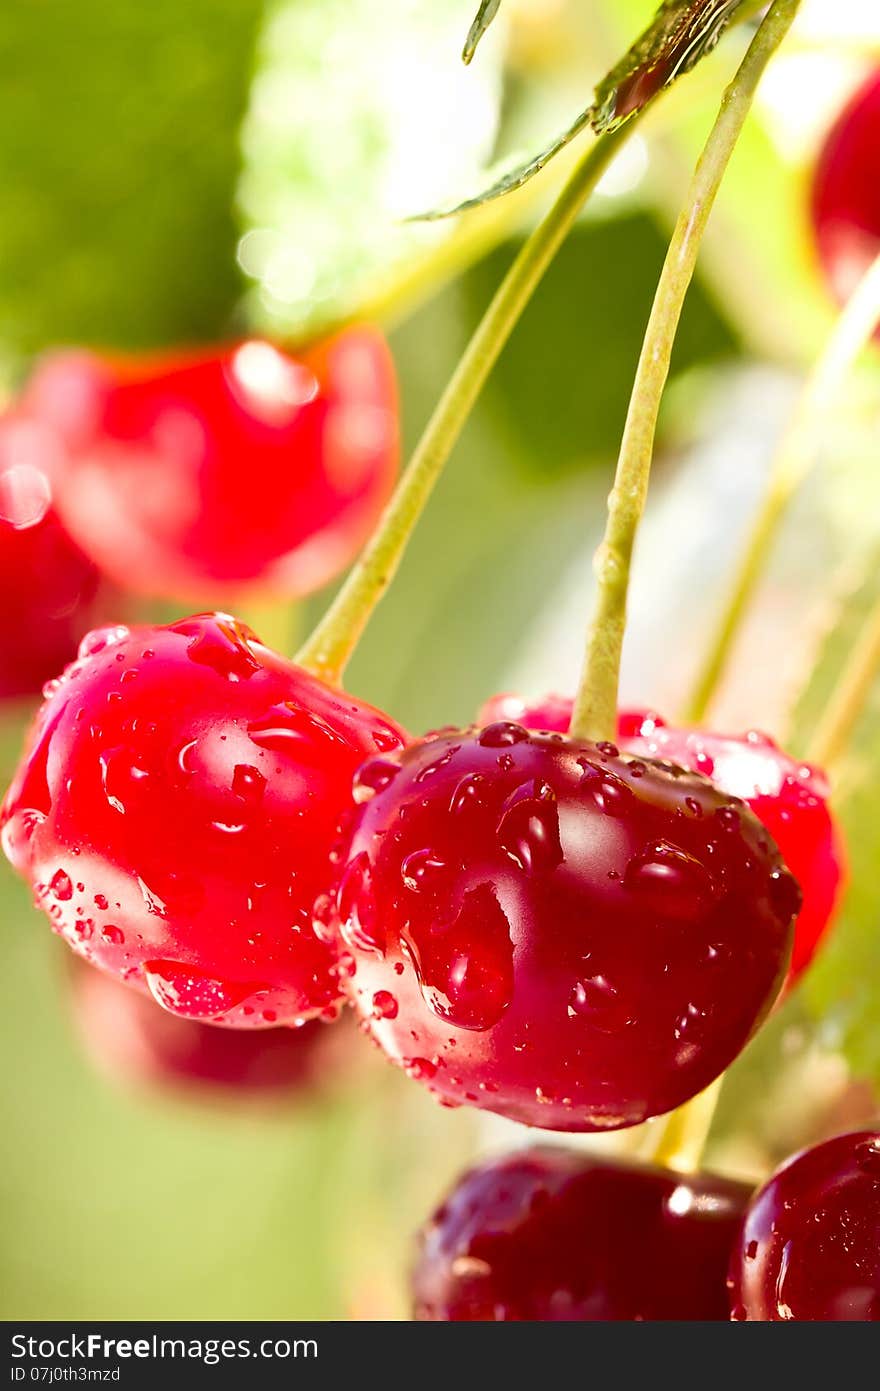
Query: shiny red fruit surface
<point x="558" y="1235"/>
<point x="789" y="798"/>
<point x="546" y="929"/>
<point x="809" y="1248"/>
<point x="175" y="810"/>
<point x="245" y="468"/>
<point x="135" y="1043"/>
<point x="49" y="587"/>
<point x="846" y="192"/>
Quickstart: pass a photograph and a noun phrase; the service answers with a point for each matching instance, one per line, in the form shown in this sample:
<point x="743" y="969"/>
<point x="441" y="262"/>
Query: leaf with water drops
<point x="842" y="988"/>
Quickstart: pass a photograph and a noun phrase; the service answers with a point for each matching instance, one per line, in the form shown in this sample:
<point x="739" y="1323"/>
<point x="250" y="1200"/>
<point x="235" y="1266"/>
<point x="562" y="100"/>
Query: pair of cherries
<point x="244" y="469"/>
<point x="570" y="935"/>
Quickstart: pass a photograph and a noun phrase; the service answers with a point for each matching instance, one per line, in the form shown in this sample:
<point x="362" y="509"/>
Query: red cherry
<point x="546" y="929"/>
<point x="809" y="1248"/>
<point x="554" y="1235"/>
<point x="175" y="811"/>
<point x="49" y="587"/>
<point x="846" y="192"/>
<point x="135" y="1043"/>
<point x="789" y="798"/>
<point x="247" y="467"/>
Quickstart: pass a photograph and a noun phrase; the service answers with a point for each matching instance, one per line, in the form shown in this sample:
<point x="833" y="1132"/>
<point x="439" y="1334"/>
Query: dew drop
<point x="190" y="993"/>
<point x="372" y="777"/>
<point x="423" y="871"/>
<point x="61" y="885"/>
<point x="99" y="639"/>
<point x="674" y="883"/>
<point x="528" y="831"/>
<point x="502" y="735"/>
<point x="113" y="935"/>
<point x="384" y="1005"/>
<point x="221" y="643"/>
<point x="356" y="906"/>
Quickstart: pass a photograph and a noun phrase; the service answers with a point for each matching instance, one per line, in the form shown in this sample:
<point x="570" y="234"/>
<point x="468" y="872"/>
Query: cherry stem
<point x="333" y="641"/>
<point x="833" y="733"/>
<point x="595" y="708"/>
<point x="797" y="452"/>
<point x="685" y="1131"/>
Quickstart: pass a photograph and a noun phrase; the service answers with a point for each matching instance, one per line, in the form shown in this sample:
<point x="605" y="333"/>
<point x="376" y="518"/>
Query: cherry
<point x="555" y="1235"/>
<point x="244" y="467"/>
<point x="133" y="1042"/>
<point x="789" y="798"/>
<point x="809" y="1248"/>
<point x="846" y="191"/>
<point x="50" y="590"/>
<point x="175" y="811"/>
<point x="546" y="929"/>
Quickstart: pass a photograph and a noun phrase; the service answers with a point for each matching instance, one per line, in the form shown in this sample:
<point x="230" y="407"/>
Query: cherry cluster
<point x="576" y="935"/>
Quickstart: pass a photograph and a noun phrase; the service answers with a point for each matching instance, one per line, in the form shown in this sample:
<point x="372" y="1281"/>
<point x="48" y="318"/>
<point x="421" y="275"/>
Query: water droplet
<point x="528" y="830"/>
<point x="386" y="739"/>
<point x="785" y="894"/>
<point x="434" y="767"/>
<point x="502" y="735"/>
<point x="248" y="783"/>
<point x="468" y="792"/>
<point x="372" y="777"/>
<point x="868" y="1157"/>
<point x="61" y="885"/>
<point x="596" y="1000"/>
<point x="384" y="1005"/>
<point x="99" y="639"/>
<point x="674" y="883"/>
<point x="465" y="968"/>
<point x="423" y="871"/>
<point x="221" y="643"/>
<point x="420" y="1069"/>
<point x="112" y="934"/>
<point x="190" y="993"/>
<point x="101" y="901"/>
<point x="751" y="1250"/>
<point x="356" y="906"/>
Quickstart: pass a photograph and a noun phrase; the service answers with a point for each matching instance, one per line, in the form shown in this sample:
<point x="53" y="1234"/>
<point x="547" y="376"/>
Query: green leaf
<point x="681" y="33"/>
<point x="842" y="987"/>
<point x="117" y="164"/>
<point x="486" y="13"/>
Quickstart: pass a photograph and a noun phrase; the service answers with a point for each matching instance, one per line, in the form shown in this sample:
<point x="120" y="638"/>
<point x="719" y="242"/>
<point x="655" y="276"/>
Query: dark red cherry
<point x="175" y="810"/>
<point x="846" y="191"/>
<point x="50" y="590"/>
<point x="245" y="467"/>
<point x="809" y="1248"/>
<point x="549" y="930"/>
<point x="789" y="798"/>
<point x="556" y="1235"/>
<point x="135" y="1043"/>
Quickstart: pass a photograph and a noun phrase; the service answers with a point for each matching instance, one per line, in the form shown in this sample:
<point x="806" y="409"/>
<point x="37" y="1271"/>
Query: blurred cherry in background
<point x="846" y="191"/>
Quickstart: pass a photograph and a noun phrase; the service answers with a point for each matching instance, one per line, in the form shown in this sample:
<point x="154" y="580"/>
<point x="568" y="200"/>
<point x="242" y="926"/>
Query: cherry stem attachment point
<point x="795" y="457"/>
<point x="333" y="641"/>
<point x="595" y="708"/>
<point x="685" y="1131"/>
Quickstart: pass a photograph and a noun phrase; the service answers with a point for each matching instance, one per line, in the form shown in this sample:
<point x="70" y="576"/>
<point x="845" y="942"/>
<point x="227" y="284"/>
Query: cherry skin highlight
<point x="543" y="928"/>
<point x="555" y="1235"/>
<point x="246" y="467"/>
<point x="789" y="798"/>
<point x="175" y="810"/>
<point x="50" y="590"/>
<point x="134" y="1043"/>
<point x="809" y="1248"/>
<point x="846" y="192"/>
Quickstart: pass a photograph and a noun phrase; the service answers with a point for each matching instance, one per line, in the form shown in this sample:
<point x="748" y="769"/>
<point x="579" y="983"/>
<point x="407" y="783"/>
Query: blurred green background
<point x="184" y="173"/>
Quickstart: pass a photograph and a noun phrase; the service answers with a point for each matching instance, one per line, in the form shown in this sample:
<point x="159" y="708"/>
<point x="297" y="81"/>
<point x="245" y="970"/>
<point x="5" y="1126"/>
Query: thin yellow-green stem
<point x="684" y="1132"/>
<point x="331" y="644"/>
<point x="794" y="459"/>
<point x="832" y="734"/>
<point x="595" y="708"/>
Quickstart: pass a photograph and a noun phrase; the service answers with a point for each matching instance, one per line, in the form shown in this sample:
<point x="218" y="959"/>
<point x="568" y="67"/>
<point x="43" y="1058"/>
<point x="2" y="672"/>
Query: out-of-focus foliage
<point x="360" y="115"/>
<point x="119" y="152"/>
<point x="842" y="987"/>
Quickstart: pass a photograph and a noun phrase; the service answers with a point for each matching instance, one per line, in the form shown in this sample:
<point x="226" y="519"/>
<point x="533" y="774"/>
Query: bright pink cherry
<point x="175" y="810"/>
<point x="809" y="1248"/>
<point x="555" y="1235"/>
<point x="790" y="798"/>
<point x="547" y="929"/>
<point x="245" y="467"/>
<point x="136" y="1044"/>
<point x="49" y="587"/>
<point x="846" y="191"/>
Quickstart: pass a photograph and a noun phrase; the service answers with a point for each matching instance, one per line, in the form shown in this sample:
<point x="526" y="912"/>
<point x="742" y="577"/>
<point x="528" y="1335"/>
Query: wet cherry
<point x="556" y="1235"/>
<point x="789" y="798"/>
<point x="846" y="191"/>
<point x="50" y="590"/>
<point x="175" y="810"/>
<point x="240" y="468"/>
<point x="136" y="1044"/>
<point x="546" y="929"/>
<point x="809" y="1248"/>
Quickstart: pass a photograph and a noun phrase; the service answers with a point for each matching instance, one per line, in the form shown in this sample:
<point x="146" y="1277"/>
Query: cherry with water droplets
<point x="241" y="467"/>
<point x="554" y="1235"/>
<point x="180" y="793"/>
<point x="789" y="798"/>
<point x="581" y="952"/>
<point x="809" y="1246"/>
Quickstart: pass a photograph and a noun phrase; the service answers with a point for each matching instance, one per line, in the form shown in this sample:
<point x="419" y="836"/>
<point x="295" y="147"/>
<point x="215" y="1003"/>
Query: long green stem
<point x="794" y="459"/>
<point x="833" y="732"/>
<point x="331" y="644"/>
<point x="595" y="709"/>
